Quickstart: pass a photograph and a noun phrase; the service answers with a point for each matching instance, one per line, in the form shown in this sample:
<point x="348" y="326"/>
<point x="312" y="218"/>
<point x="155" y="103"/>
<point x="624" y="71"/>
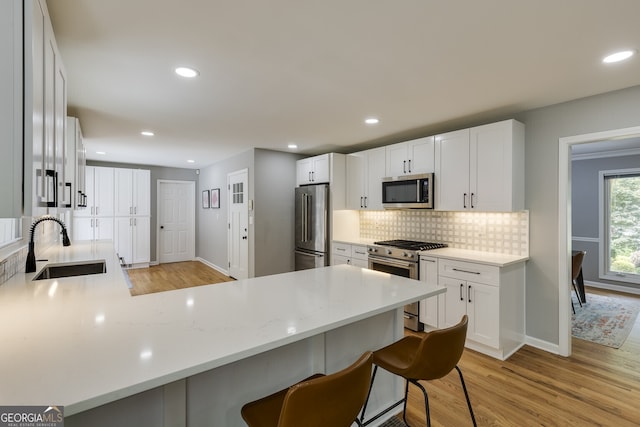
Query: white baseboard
<point x="215" y="267"/>
<point x="542" y="345"/>
<point x="610" y="287"/>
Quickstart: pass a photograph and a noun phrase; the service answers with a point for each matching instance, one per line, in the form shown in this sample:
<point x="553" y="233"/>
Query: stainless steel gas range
<point x="400" y="257"/>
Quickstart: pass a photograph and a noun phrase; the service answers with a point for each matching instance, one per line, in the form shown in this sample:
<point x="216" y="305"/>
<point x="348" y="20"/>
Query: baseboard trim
<point x="215" y="267"/>
<point x="610" y="287"/>
<point x="542" y="345"/>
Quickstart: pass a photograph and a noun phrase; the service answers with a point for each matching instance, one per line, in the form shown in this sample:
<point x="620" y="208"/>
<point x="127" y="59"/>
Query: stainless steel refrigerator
<point x="312" y="226"/>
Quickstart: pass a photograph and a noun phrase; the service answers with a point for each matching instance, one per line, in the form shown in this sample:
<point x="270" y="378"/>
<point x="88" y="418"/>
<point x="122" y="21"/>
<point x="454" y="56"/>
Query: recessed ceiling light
<point x="147" y="133"/>
<point x="292" y="146"/>
<point x="618" y="56"/>
<point x="102" y="153"/>
<point x="191" y="161"/>
<point x="187" y="72"/>
<point x="371" y="121"/>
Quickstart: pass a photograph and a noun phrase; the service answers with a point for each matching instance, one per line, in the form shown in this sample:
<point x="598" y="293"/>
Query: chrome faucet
<point x="30" y="267"/>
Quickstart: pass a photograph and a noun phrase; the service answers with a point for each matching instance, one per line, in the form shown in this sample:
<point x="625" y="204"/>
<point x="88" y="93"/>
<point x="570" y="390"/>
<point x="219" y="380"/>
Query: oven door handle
<point x="391" y="261"/>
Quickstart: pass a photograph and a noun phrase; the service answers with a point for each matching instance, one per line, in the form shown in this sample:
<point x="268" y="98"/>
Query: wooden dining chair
<point x="576" y="268"/>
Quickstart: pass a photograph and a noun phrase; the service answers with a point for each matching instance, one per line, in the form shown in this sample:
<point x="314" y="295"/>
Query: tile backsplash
<point x="506" y="232"/>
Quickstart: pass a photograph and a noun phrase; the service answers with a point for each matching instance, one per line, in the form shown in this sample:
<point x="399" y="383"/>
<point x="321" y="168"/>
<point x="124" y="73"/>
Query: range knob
<point x="389" y="251"/>
<point x="407" y="255"/>
<point x="372" y="249"/>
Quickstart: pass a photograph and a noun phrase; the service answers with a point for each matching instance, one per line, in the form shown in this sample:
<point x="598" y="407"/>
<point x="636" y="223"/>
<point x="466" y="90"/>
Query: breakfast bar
<point x="189" y="357"/>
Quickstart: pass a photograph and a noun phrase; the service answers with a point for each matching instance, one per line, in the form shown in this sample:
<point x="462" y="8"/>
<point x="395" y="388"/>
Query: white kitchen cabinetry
<point x="492" y="297"/>
<point x="410" y="157"/>
<point x="481" y="168"/>
<point x="314" y="170"/>
<point x="92" y="228"/>
<point x="132" y="189"/>
<point x="365" y="171"/>
<point x="344" y="253"/>
<point x="11" y="109"/>
<point x="75" y="169"/>
<point x="132" y="240"/>
<point x="100" y="192"/>
<point x="429" y="308"/>
<point x="45" y="111"/>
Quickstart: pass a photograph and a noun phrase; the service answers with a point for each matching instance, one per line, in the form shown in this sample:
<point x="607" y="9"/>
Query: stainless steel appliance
<point x="400" y="257"/>
<point x="408" y="192"/>
<point x="312" y="226"/>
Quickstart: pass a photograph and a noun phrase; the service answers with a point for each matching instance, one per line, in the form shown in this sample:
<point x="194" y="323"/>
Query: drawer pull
<point x="466" y="271"/>
<point x="341" y="249"/>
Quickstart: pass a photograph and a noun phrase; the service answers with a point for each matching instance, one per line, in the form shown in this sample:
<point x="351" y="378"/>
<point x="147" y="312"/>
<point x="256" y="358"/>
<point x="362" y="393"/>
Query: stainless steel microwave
<point x="408" y="192"/>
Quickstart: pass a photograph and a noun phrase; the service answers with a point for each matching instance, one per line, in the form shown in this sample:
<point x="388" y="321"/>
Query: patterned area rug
<point x="605" y="320"/>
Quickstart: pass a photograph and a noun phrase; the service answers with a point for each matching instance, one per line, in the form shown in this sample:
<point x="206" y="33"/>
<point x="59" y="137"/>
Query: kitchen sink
<point x="84" y="268"/>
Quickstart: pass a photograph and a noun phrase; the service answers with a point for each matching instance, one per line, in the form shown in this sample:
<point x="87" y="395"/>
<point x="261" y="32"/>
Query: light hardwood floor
<point x="596" y="386"/>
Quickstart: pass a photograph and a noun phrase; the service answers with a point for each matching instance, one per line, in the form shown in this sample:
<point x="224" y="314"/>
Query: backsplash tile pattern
<point x="12" y="264"/>
<point x="506" y="233"/>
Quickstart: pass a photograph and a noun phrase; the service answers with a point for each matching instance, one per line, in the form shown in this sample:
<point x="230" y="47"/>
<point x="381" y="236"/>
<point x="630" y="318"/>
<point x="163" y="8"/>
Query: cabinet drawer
<point x="359" y="252"/>
<point x="341" y="249"/>
<point x="462" y="270"/>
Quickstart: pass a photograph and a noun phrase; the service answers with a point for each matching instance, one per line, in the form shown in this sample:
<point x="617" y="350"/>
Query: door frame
<point x="564" y="224"/>
<point x="192" y="228"/>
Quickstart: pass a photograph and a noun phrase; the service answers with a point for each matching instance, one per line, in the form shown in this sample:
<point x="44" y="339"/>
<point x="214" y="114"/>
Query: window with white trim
<point x="620" y="258"/>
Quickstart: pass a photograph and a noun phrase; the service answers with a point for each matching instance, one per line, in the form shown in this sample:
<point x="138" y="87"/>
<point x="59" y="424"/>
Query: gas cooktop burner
<point x="411" y="244"/>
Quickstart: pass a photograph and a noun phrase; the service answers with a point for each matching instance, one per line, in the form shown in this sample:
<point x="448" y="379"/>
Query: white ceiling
<point x="280" y="71"/>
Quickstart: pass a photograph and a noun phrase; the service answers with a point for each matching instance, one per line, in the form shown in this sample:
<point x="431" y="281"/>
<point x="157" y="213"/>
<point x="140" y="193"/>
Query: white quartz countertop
<point x="84" y="341"/>
<point x="480" y="257"/>
<point x="358" y="241"/>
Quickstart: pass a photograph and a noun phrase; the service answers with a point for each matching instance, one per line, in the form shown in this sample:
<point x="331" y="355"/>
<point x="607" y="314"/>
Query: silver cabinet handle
<point x="404" y="166"/>
<point x="461" y="297"/>
<point x="309" y="176"/>
<point x="409" y="165"/>
<point x="97" y="223"/>
<point x="341" y="249"/>
<point x="429" y="260"/>
<point x="365" y="201"/>
<point x="130" y="210"/>
<point x="464" y="201"/>
<point x="465" y="271"/>
<point x="361" y="202"/>
<point x="135" y="210"/>
<point x="469" y="293"/>
<point x="472" y="194"/>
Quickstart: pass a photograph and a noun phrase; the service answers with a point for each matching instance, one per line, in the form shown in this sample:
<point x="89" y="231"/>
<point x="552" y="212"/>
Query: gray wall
<point x="544" y="127"/>
<point x="157" y="172"/>
<point x="271" y="183"/>
<point x="585" y="207"/>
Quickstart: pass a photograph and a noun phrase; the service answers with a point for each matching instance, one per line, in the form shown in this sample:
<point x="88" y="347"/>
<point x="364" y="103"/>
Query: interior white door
<point x="238" y="236"/>
<point x="176" y="221"/>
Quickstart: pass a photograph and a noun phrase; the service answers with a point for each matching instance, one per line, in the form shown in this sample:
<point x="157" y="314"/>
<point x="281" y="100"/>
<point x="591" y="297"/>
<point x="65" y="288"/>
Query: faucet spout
<point x="30" y="266"/>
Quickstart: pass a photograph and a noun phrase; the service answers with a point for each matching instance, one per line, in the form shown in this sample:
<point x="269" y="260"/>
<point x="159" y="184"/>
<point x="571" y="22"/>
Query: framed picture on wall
<point x="215" y="198"/>
<point x="205" y="199"/>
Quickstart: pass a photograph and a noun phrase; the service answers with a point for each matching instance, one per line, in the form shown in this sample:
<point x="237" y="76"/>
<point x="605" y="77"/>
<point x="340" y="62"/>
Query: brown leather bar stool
<point x="429" y="357"/>
<point x="318" y="401"/>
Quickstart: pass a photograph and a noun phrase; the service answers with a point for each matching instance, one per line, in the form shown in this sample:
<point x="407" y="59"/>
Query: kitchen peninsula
<point x="191" y="356"/>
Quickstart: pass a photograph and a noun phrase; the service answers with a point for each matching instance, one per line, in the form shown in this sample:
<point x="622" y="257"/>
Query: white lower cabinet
<point x="429" y="308"/>
<point x="132" y="240"/>
<point x="492" y="297"/>
<point x="344" y="253"/>
<point x="92" y="228"/>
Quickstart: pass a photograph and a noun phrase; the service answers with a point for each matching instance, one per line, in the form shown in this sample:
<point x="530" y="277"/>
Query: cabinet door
<point x="142" y="192"/>
<point x="123" y="239"/>
<point x="396" y="159"/>
<point x="38" y="69"/>
<point x="60" y="126"/>
<point x="141" y="245"/>
<point x="359" y="263"/>
<point x="429" y="307"/>
<point x="340" y="259"/>
<point x="375" y="171"/>
<point x="89" y="210"/>
<point x="103" y="186"/>
<point x="82" y="228"/>
<point x="452" y="171"/>
<point x="421" y="155"/>
<point x="123" y="192"/>
<point x="490" y="167"/>
<point x="321" y="171"/>
<point x="355" y="180"/>
<point x="103" y="228"/>
<point x="483" y="308"/>
<point x="455" y="305"/>
<point x="303" y="171"/>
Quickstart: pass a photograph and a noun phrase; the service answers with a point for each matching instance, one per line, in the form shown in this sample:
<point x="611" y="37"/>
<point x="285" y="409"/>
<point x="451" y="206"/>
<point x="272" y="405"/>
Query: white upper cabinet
<point x="365" y="171"/>
<point x="99" y="183"/>
<point x="132" y="189"/>
<point x="481" y="168"/>
<point x="410" y="157"/>
<point x="75" y="163"/>
<point x="313" y="170"/>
